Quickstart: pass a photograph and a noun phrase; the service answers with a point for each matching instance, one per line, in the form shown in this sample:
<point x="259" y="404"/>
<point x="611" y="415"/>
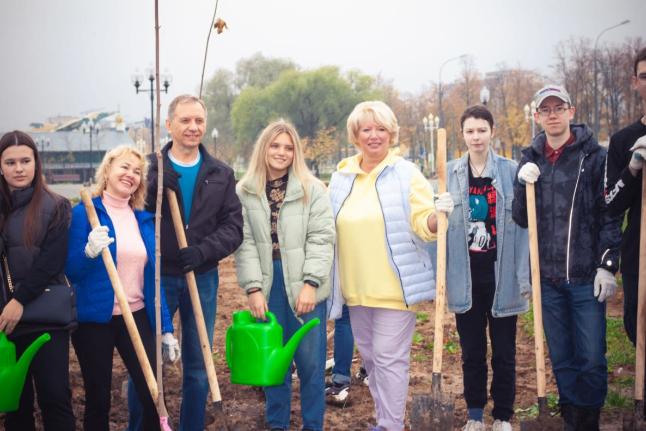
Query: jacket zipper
<point x="336" y="245"/>
<point x="401" y="285"/>
<point x="569" y="229"/>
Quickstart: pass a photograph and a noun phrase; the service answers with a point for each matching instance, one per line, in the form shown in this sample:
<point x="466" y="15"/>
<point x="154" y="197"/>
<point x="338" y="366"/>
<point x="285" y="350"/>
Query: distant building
<point x="68" y="157"/>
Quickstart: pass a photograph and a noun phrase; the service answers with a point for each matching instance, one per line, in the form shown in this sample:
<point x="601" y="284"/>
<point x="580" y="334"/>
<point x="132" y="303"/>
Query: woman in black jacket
<point x="34" y="223"/>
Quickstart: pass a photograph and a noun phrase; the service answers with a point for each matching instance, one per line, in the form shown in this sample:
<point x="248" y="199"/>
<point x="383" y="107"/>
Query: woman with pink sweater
<point x="128" y="231"/>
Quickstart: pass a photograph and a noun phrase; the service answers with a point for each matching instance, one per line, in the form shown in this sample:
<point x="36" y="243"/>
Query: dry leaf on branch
<point x="220" y="25"/>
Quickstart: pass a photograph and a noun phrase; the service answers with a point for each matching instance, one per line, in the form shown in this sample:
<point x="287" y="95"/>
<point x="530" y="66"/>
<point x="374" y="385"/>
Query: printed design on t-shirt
<point x="482" y="213"/>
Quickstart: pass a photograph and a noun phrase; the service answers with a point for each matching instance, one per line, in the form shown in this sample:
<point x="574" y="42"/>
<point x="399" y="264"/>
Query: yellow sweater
<point x="366" y="276"/>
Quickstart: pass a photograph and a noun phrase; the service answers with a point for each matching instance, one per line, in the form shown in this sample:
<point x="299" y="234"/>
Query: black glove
<point x="171" y="179"/>
<point x="190" y="258"/>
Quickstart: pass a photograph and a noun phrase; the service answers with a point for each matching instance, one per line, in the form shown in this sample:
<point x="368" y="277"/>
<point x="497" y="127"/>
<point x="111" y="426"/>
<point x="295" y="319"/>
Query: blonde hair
<point x="258" y="166"/>
<point x="138" y="198"/>
<point x="373" y="110"/>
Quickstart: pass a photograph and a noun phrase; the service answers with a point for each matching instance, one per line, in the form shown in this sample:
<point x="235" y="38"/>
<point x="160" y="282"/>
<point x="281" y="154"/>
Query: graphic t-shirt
<point x="482" y="226"/>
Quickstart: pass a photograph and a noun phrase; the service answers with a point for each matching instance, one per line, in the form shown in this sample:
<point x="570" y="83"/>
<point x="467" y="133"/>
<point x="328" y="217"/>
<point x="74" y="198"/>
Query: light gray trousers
<point x="384" y="339"/>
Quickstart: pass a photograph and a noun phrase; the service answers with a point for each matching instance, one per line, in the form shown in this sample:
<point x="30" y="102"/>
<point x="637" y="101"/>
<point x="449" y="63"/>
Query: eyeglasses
<point x="558" y="110"/>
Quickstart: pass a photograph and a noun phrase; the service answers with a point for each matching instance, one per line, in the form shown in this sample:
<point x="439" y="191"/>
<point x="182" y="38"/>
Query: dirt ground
<point x="244" y="406"/>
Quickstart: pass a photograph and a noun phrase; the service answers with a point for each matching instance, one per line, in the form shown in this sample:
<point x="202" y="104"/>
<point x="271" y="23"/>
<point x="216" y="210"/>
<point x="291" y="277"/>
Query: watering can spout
<point x="292" y="344"/>
<point x="28" y="355"/>
<point x="284" y="355"/>
<point x="12" y="372"/>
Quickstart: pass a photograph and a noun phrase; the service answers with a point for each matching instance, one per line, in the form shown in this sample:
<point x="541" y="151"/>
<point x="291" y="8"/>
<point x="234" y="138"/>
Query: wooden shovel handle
<point x="123" y="302"/>
<point x="539" y="348"/>
<point x="195" y="300"/>
<point x="440" y="269"/>
<point x="641" y="299"/>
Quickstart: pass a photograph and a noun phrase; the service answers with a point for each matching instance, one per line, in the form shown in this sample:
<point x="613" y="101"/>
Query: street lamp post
<point x="91" y="128"/>
<point x="431" y="123"/>
<point x="597" y="125"/>
<point x="529" y="116"/>
<point x="43" y="143"/>
<point x="137" y="80"/>
<point x="485" y="94"/>
<point x="439" y="87"/>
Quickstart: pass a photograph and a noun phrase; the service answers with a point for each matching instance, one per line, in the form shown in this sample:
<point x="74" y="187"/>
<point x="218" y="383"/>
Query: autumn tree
<point x="320" y="149"/>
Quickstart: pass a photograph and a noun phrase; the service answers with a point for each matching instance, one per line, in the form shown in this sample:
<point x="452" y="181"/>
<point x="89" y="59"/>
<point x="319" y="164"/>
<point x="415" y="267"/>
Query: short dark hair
<point x="641" y="56"/>
<point x="477" y="111"/>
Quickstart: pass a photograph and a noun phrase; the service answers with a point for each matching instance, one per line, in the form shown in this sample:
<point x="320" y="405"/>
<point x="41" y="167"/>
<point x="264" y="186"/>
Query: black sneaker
<point x="337" y="393"/>
<point x="362" y="376"/>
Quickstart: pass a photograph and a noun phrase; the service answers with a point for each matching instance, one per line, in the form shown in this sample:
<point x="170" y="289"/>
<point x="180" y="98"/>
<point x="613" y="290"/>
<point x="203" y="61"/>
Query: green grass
<point x="420" y="357"/>
<point x="617" y="400"/>
<point x="418" y="338"/>
<point x="527" y="321"/>
<point x="451" y="346"/>
<point x="422" y="317"/>
<point x="620" y="351"/>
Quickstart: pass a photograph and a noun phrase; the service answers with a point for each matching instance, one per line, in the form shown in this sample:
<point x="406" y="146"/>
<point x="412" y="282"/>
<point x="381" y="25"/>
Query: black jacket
<point x="33" y="268"/>
<point x="576" y="233"/>
<point x="623" y="192"/>
<point x="216" y="214"/>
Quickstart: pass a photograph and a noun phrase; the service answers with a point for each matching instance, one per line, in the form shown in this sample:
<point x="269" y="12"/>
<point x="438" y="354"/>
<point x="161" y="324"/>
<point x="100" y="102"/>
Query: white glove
<point x="444" y="203"/>
<point x="605" y="284"/>
<point x="170" y="348"/>
<point x="639" y="154"/>
<point x="528" y="173"/>
<point x="97" y="240"/>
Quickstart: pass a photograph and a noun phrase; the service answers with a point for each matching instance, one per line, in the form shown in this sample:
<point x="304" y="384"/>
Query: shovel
<point x="123" y="302"/>
<point x="544" y="422"/>
<point x="434" y="412"/>
<point x="636" y="421"/>
<point x="220" y="420"/>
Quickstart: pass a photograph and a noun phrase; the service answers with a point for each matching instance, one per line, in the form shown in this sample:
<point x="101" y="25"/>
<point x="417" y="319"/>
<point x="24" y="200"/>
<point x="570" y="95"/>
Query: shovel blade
<point x="432" y="413"/>
<point x="635" y="421"/>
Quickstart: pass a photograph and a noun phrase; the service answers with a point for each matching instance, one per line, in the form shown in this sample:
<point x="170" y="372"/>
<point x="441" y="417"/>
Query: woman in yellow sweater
<point x="384" y="212"/>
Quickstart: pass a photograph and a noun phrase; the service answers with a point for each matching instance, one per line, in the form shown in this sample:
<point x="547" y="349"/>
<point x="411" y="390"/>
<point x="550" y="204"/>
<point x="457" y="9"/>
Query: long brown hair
<point x="31" y="224"/>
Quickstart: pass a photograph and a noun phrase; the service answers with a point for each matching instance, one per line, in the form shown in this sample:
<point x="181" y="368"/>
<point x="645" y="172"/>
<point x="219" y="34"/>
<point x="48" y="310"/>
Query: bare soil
<point x="244" y="406"/>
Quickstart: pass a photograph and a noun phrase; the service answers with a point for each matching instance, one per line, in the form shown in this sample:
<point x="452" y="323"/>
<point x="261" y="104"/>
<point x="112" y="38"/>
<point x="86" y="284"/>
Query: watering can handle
<point x="271" y="318"/>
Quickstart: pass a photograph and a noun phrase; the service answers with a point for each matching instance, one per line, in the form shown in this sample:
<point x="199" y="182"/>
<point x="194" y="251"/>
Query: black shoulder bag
<point x="56" y="306"/>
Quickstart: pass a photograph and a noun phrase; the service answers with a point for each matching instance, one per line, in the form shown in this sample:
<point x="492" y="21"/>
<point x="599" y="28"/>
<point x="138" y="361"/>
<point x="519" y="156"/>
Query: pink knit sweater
<point x="131" y="252"/>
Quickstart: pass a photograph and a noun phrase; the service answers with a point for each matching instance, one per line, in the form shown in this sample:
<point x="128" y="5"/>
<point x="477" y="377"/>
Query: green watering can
<point x="255" y="352"/>
<point x="12" y="373"/>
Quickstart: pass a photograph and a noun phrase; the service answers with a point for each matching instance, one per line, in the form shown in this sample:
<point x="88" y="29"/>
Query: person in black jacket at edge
<point x="212" y="218"/>
<point x="33" y="226"/>
<point x="626" y="155"/>
<point x="578" y="243"/>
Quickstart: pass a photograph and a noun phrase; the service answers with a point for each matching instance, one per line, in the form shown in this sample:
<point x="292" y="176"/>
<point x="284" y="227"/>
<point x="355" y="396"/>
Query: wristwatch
<point x="314" y="284"/>
<point x="609" y="264"/>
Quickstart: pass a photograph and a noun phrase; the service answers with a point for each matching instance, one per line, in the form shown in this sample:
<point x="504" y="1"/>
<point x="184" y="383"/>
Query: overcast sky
<point x="70" y="56"/>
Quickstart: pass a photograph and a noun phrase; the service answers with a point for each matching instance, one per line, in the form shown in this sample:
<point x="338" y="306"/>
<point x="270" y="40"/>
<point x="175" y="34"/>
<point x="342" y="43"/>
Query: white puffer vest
<point x="407" y="253"/>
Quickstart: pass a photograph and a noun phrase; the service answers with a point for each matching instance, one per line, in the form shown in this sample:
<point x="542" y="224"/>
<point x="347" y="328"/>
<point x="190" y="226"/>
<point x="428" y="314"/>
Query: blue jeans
<point x="195" y="385"/>
<point x="309" y="358"/>
<point x="575" y="328"/>
<point x="343" y="348"/>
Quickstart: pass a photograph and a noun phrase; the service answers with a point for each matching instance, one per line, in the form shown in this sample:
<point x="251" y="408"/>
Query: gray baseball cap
<point x="552" y="90"/>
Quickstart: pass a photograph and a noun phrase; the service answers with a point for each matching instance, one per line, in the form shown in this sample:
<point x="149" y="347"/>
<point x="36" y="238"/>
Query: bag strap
<point x="6" y="270"/>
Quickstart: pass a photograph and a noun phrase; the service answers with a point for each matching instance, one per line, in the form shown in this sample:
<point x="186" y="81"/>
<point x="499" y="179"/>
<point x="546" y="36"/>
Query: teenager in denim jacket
<point x="487" y="269"/>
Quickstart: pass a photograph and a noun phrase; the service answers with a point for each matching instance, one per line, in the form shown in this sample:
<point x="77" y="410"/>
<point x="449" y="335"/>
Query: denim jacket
<point x="512" y="263"/>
